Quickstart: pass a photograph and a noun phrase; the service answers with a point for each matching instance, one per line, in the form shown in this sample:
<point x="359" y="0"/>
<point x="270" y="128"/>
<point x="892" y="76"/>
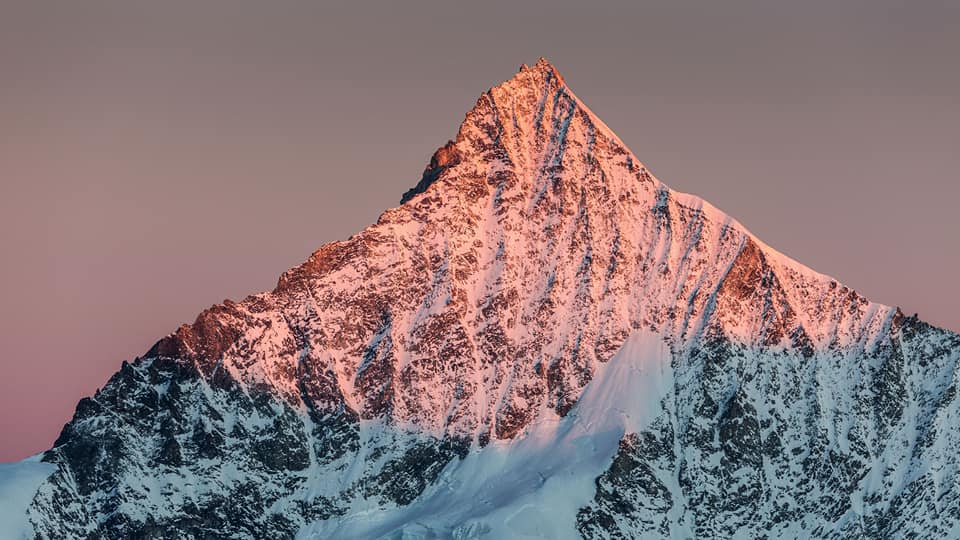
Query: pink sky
<point x="158" y="158"/>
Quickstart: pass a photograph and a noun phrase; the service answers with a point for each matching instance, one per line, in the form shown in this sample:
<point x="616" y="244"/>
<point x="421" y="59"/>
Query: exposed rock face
<point x="478" y="311"/>
<point x="786" y="445"/>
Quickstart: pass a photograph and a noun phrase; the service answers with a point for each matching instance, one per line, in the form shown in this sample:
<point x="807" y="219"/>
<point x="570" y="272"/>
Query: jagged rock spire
<point x="524" y="124"/>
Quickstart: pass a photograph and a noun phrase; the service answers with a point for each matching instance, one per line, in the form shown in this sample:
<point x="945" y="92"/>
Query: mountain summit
<point x="541" y="341"/>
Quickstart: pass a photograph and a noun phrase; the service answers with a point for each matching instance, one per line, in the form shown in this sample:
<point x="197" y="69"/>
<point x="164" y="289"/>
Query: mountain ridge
<point x="473" y="318"/>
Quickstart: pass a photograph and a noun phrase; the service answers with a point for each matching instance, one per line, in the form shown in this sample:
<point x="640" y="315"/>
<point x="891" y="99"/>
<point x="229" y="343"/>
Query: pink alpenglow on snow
<point x="541" y="341"/>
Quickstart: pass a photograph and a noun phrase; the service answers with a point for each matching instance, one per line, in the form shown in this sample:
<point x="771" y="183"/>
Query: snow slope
<point x="532" y="486"/>
<point x="18" y="484"/>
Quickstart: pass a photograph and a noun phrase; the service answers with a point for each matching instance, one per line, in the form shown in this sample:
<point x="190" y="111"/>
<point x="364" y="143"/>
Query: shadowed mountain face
<point x="542" y="340"/>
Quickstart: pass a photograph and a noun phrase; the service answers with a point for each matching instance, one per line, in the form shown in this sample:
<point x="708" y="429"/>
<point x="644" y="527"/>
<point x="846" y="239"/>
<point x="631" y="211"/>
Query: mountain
<point x="541" y="341"/>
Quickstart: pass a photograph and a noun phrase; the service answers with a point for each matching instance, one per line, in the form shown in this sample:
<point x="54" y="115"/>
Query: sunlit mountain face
<point x="542" y="341"/>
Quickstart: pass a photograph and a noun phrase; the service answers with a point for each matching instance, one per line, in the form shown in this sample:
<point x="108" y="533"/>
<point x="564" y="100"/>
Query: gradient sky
<point x="158" y="157"/>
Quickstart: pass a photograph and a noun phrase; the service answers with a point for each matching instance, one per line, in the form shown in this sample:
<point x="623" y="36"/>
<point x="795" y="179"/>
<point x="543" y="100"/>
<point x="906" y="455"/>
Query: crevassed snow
<point x="533" y="486"/>
<point x="18" y="484"/>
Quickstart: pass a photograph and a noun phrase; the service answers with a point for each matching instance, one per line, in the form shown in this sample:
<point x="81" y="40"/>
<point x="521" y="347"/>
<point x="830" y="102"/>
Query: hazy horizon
<point x="159" y="158"/>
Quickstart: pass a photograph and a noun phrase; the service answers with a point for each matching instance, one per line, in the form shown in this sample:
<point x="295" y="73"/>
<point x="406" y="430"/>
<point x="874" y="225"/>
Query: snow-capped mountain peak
<point x="542" y="340"/>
